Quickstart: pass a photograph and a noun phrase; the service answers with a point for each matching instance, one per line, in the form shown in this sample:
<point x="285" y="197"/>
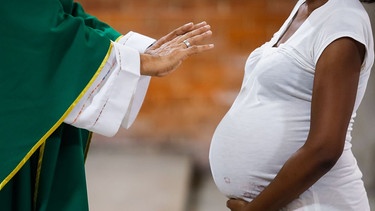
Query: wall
<point x="183" y="109"/>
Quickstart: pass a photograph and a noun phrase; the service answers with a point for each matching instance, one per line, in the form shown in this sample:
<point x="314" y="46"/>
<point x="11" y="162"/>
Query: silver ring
<point x="187" y="43"/>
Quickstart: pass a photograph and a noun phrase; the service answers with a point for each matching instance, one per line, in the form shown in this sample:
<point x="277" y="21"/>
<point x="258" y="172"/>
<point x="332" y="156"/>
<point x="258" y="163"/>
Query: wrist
<point x="153" y="65"/>
<point x="145" y="64"/>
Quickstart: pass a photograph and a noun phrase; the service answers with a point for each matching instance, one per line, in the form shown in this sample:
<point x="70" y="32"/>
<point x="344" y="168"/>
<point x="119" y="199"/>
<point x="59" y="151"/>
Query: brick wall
<point x="185" y="107"/>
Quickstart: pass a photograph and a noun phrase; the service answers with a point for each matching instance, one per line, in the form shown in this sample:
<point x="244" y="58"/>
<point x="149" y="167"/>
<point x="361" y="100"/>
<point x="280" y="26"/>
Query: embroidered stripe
<point x="38" y="172"/>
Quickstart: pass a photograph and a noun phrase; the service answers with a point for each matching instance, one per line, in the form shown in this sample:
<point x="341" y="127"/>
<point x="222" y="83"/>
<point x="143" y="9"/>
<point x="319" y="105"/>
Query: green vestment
<point x="50" y="52"/>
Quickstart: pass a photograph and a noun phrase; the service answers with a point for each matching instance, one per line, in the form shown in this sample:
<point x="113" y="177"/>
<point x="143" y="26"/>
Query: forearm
<point x="299" y="173"/>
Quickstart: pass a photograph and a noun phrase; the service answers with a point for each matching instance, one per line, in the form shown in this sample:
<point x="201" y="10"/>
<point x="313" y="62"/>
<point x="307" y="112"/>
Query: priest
<point x="65" y="74"/>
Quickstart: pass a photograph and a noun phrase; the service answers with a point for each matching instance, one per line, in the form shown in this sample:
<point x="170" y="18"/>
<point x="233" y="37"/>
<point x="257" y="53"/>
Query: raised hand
<point x="166" y="54"/>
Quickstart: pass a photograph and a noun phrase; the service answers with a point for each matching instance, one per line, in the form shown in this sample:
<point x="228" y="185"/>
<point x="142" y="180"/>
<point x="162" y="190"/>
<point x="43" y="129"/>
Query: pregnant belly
<point x="248" y="150"/>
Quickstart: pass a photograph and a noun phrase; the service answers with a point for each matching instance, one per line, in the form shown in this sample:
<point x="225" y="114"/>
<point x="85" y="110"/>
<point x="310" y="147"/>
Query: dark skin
<point x="334" y="92"/>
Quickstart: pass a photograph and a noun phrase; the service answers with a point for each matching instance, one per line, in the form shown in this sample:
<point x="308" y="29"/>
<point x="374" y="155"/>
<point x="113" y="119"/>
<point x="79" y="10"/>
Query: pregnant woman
<point x="285" y="144"/>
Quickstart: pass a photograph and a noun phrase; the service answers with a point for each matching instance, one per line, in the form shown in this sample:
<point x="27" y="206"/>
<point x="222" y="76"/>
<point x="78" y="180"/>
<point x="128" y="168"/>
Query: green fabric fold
<point x="50" y="51"/>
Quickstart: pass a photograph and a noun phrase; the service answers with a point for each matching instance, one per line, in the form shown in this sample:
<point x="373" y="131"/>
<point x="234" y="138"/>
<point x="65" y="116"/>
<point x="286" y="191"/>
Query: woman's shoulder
<point x="345" y="16"/>
<point x="346" y="9"/>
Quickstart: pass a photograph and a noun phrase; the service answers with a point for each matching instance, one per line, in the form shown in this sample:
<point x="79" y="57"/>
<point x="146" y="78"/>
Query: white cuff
<point x="139" y="42"/>
<point x="116" y="96"/>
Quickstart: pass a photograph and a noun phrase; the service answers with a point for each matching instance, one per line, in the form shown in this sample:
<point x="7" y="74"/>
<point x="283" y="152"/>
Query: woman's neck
<point x="313" y="4"/>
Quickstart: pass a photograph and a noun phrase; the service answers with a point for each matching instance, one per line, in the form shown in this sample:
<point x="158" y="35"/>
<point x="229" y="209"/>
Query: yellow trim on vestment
<point x="56" y="125"/>
<point x="38" y="172"/>
<point x="118" y="38"/>
<point x="88" y="145"/>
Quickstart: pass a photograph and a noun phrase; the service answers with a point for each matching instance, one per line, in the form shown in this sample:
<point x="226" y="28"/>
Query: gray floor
<point x="133" y="178"/>
<point x="123" y="179"/>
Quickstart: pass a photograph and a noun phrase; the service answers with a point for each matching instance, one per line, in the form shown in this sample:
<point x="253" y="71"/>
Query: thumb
<point x="236" y="204"/>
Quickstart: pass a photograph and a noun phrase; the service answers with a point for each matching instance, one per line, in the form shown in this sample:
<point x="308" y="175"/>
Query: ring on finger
<point x="187" y="43"/>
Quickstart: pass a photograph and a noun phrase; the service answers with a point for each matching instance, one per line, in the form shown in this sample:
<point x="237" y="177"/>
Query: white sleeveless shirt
<point x="270" y="118"/>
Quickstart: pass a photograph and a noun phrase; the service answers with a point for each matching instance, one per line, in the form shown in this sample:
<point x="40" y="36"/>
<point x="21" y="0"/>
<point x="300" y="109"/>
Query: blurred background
<point x="161" y="162"/>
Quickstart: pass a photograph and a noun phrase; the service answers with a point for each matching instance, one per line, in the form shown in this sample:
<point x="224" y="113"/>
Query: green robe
<point x="51" y="51"/>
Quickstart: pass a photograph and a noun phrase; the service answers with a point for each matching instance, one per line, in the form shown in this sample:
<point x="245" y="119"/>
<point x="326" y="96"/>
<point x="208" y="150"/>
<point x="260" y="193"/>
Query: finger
<point x="175" y="33"/>
<point x="235" y="204"/>
<point x="189" y="27"/>
<point x="198" y="25"/>
<point x="198" y="31"/>
<point x="197" y="49"/>
<point x="232" y="205"/>
<point x="183" y="29"/>
<point x="183" y="54"/>
<point x="197" y="40"/>
<point x="187" y="43"/>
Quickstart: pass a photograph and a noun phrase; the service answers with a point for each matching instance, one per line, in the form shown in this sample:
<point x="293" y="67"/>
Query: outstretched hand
<point x="166" y="54"/>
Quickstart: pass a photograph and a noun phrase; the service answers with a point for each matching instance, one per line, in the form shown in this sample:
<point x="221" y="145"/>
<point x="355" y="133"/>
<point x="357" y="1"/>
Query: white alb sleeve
<point x="115" y="97"/>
